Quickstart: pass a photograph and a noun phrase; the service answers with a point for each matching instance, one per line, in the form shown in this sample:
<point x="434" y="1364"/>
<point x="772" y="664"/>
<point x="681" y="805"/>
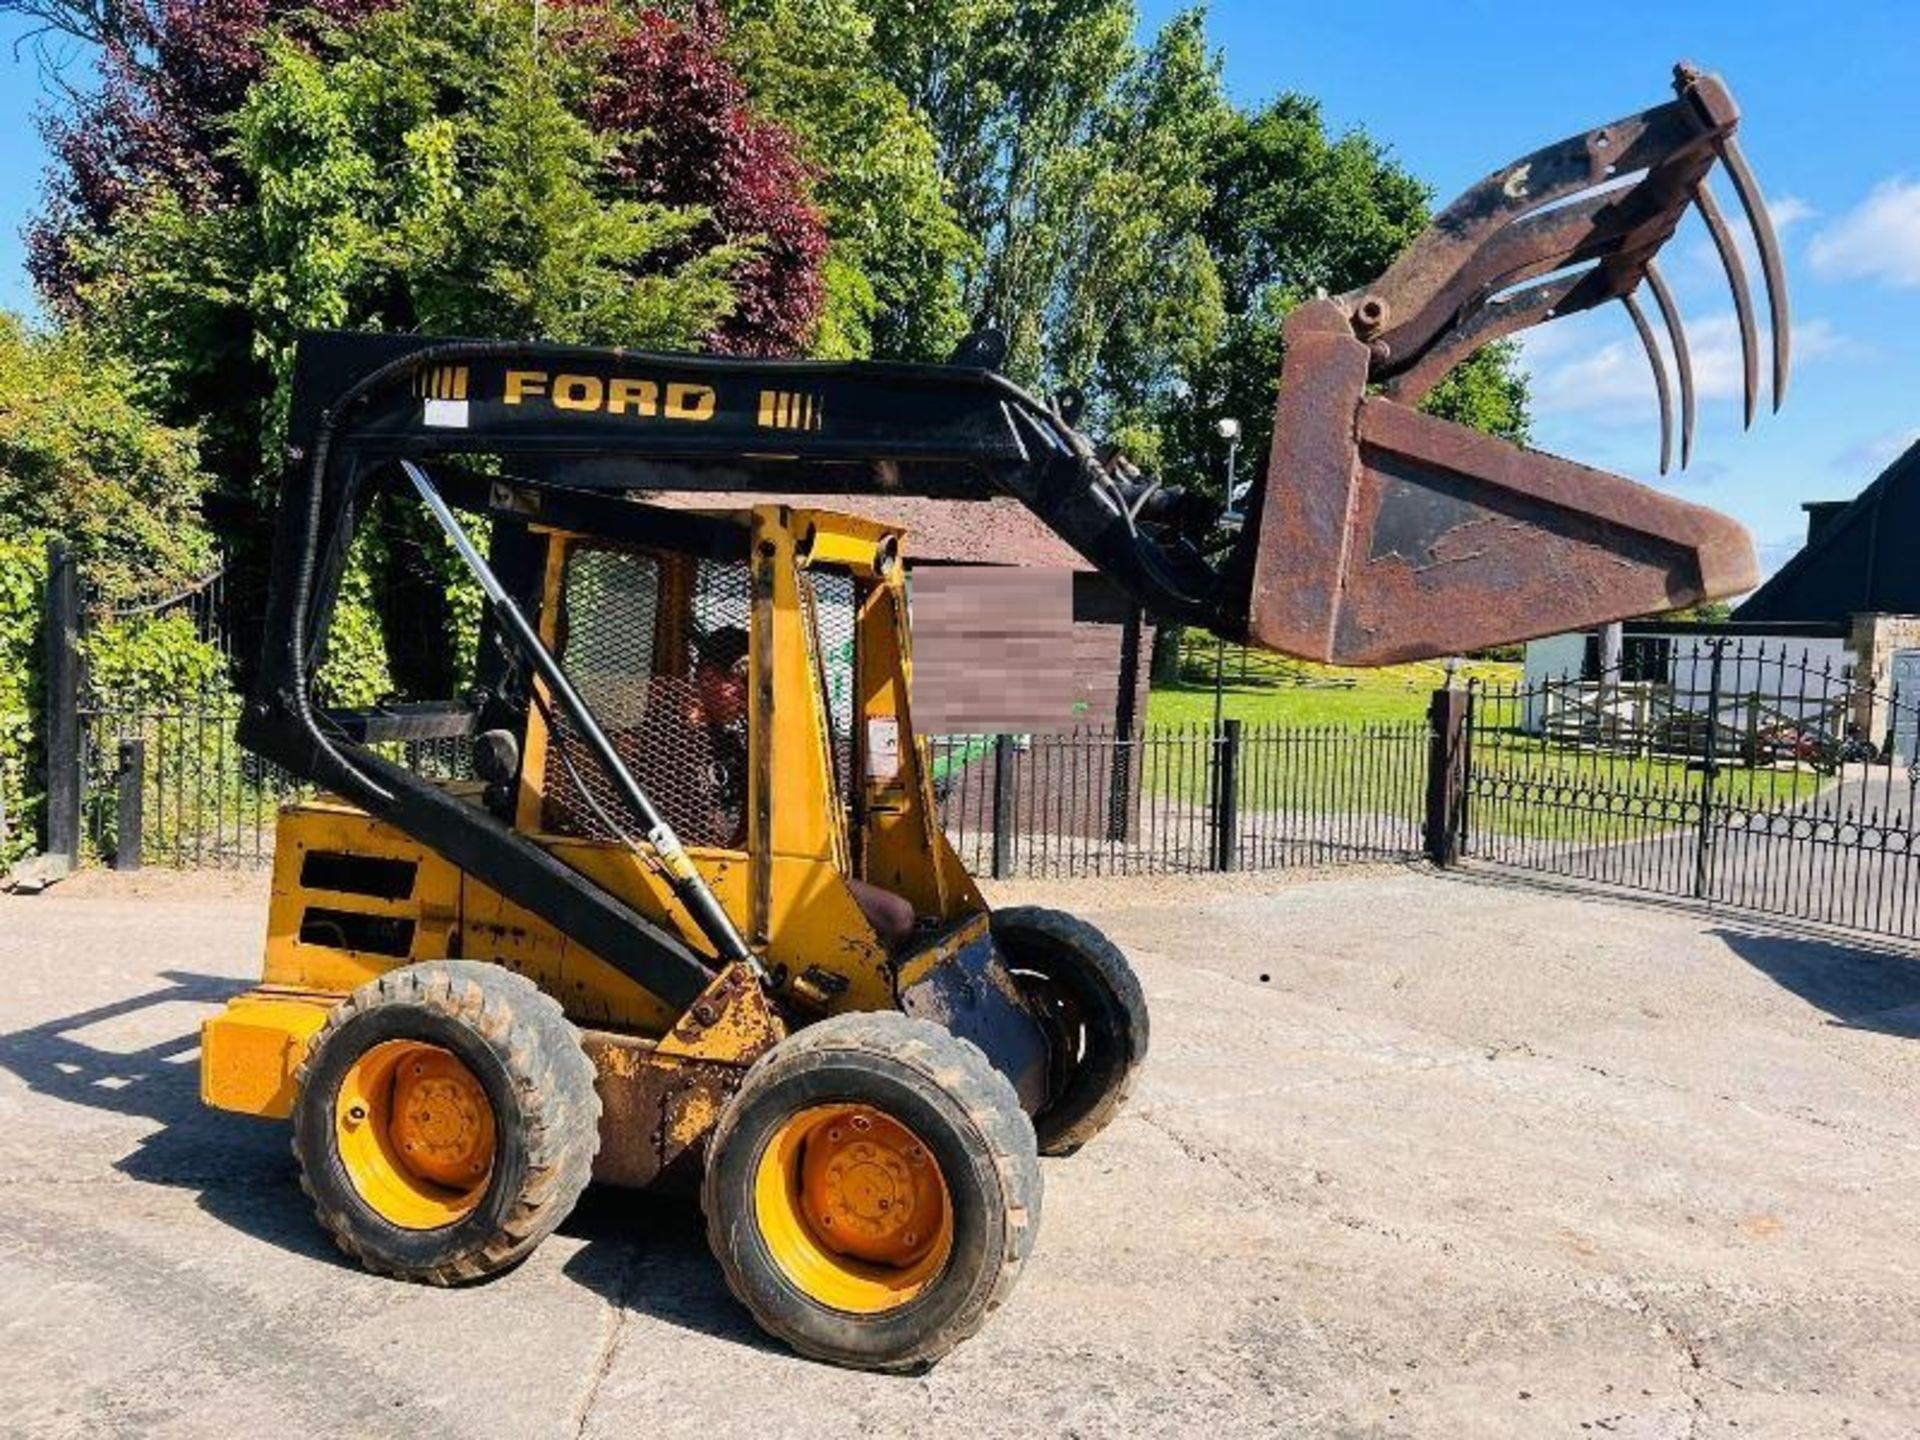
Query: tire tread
<point x="1106" y="964"/>
<point x="551" y="1075"/>
<point x="991" y="1108"/>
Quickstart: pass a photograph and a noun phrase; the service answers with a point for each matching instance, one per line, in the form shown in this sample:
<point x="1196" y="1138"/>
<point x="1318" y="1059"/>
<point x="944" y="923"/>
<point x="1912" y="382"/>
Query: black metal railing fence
<point x="1744" y="774"/>
<point x="171" y="786"/>
<point x="1758" y="777"/>
<point x="1169" y="799"/>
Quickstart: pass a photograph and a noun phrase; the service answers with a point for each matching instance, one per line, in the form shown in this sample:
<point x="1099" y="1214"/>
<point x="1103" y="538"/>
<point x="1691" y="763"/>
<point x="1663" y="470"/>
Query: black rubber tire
<point x="1091" y="1001"/>
<point x="969" y="1118"/>
<point x="525" y="1053"/>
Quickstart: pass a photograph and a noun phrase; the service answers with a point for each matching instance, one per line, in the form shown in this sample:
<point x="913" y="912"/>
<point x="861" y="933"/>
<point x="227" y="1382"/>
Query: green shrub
<point x="23" y="573"/>
<point x="153" y="663"/>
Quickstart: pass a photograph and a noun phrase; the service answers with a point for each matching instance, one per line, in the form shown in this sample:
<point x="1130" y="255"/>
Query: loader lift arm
<point x="1379" y="533"/>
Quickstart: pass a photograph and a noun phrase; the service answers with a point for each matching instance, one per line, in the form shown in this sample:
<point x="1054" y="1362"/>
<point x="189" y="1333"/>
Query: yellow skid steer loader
<point x="692" y="915"/>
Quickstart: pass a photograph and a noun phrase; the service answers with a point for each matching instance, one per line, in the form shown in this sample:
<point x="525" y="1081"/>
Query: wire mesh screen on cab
<point x="831" y="598"/>
<point x="656" y="644"/>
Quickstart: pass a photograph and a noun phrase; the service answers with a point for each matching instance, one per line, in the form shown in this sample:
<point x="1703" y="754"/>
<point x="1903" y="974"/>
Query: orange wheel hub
<point x="870" y="1190"/>
<point x="416" y="1134"/>
<point x="853" y="1208"/>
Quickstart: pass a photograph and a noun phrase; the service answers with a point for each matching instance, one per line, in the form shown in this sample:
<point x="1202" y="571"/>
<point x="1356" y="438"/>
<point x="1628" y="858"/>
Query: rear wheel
<point x="446" y="1121"/>
<point x="872" y="1191"/>
<point x="1089" y="1002"/>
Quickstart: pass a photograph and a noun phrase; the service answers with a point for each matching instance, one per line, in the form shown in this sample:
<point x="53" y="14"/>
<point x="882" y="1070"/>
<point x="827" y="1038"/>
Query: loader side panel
<point x="354" y="897"/>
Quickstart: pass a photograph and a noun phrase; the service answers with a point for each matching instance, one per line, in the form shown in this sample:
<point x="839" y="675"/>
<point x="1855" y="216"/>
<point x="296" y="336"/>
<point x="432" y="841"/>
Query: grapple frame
<point x="1384" y="534"/>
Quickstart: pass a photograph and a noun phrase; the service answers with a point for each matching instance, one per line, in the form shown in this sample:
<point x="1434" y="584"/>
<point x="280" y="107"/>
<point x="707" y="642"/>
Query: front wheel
<point x="872" y="1191"/>
<point x="1089" y="1002"/>
<point x="446" y="1121"/>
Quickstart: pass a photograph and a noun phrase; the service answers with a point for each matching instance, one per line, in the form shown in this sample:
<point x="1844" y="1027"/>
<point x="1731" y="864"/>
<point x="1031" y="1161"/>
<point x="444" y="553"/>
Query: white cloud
<point x="1788" y="211"/>
<point x="1872" y="455"/>
<point x="1600" y="377"/>
<point x="1879" y="239"/>
<point x="1785" y="211"/>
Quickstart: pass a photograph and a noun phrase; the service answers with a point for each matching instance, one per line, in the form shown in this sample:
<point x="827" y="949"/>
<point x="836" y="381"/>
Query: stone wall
<point x="1875" y="638"/>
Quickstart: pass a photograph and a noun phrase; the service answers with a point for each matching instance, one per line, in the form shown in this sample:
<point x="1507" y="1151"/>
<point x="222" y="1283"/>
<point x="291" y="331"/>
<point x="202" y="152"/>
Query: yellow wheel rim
<point x="853" y="1208"/>
<point x="416" y="1134"/>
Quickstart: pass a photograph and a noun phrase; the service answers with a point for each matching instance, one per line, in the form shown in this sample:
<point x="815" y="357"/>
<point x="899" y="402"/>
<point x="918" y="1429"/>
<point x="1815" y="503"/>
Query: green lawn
<point x="1353" y="741"/>
<point x="1525" y="786"/>
<point x="1262" y="688"/>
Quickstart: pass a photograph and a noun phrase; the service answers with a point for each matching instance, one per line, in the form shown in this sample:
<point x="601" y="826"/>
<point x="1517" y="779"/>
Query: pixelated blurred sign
<point x="883" y="748"/>
<point x="992" y="650"/>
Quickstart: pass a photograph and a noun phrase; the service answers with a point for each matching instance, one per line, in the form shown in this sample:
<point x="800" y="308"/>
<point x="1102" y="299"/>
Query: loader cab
<point x="751" y="669"/>
<point x="762" y="702"/>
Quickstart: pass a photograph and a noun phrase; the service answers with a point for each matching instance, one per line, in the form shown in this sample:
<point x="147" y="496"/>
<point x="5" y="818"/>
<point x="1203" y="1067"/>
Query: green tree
<point x="22" y="791"/>
<point x="1076" y="161"/>
<point x="898" y="250"/>
<point x="1141" y="301"/>
<point x="1297" y="212"/>
<point x="431" y="166"/>
<point x="428" y="171"/>
<point x="79" y="458"/>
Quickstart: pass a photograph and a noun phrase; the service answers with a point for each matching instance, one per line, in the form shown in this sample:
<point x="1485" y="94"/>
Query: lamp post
<point x="1228" y="429"/>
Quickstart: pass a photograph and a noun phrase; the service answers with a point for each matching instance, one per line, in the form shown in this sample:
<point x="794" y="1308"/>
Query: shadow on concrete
<point x="1860" y="986"/>
<point x="1485" y="875"/>
<point x="1864" y="981"/>
<point x="241" y="1167"/>
<point x="648" y="1253"/>
<point x="644" y="1252"/>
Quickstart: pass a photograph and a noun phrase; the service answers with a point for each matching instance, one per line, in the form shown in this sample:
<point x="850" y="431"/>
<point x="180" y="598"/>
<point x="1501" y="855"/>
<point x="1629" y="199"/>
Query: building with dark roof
<point x="1862" y="556"/>
<point x="1860" y="568"/>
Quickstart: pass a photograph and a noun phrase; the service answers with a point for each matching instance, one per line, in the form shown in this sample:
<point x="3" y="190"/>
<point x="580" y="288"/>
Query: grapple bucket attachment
<point x="1384" y="534"/>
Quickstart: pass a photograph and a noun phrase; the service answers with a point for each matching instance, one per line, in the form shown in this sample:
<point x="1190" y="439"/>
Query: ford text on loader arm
<point x="693" y="918"/>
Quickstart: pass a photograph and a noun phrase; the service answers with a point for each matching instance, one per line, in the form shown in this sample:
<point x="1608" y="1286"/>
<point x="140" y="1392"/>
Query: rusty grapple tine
<point x="1499" y="316"/>
<point x="1771" y="266"/>
<point x="1682" y="358"/>
<point x="1736" y="268"/>
<point x="1662" y="386"/>
<point x="1385" y="533"/>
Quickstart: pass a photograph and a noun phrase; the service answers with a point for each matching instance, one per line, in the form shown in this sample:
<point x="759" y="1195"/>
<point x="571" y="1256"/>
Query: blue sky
<point x="1831" y="96"/>
<point x="1831" y="100"/>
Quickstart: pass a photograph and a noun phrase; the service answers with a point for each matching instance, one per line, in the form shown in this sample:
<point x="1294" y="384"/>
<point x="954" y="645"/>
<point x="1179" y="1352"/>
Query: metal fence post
<point x="129" y="832"/>
<point x="1120" y="782"/>
<point x="1003" y="758"/>
<point x="1446" y="774"/>
<point x="63" y="740"/>
<point x="1226" y="811"/>
<point x="1709" y="778"/>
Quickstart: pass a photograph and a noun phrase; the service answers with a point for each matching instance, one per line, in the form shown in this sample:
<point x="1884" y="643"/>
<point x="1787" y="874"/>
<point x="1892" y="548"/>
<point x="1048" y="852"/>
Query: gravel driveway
<point x="1414" y="1155"/>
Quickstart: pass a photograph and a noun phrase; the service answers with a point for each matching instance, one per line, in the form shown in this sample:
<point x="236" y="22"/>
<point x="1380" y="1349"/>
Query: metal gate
<point x="1758" y="778"/>
<point x="1905" y="745"/>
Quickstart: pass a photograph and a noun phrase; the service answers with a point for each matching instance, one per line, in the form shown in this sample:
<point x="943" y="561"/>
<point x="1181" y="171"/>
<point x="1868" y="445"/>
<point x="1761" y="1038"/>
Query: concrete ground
<point x="1415" y="1155"/>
